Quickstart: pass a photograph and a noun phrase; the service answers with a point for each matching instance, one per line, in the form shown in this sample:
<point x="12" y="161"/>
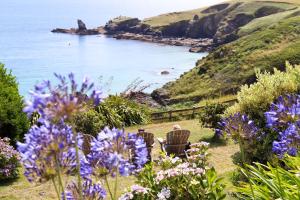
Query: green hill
<point x="263" y="43"/>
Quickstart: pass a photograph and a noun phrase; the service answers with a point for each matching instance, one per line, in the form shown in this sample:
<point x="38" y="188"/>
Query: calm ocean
<point x="33" y="53"/>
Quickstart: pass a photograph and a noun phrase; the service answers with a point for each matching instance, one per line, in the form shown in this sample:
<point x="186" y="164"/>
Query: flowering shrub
<point x="281" y="131"/>
<point x="190" y="179"/>
<point x="9" y="160"/>
<point x="52" y="150"/>
<point x="284" y="117"/>
<point x="244" y="132"/>
<point x="255" y="100"/>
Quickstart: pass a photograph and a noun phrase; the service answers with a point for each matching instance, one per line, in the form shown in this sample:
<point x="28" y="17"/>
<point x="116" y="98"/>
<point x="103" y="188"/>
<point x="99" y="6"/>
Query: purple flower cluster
<point x="289" y="141"/>
<point x="52" y="148"/>
<point x="285" y="111"/>
<point x="46" y="146"/>
<point x="238" y="126"/>
<point x="116" y="153"/>
<point x="9" y="160"/>
<point x="91" y="191"/>
<point x="63" y="100"/>
<point x="284" y="117"/>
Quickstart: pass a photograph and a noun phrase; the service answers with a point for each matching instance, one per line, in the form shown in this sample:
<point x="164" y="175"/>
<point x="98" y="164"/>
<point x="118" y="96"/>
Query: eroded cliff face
<point x="219" y="22"/>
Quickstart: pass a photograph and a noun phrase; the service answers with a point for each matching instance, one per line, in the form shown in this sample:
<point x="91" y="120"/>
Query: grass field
<point x="221" y="159"/>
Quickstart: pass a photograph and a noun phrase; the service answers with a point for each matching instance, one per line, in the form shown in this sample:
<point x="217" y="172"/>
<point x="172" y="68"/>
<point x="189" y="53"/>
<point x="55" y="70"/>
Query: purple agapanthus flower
<point x="62" y="100"/>
<point x="286" y="110"/>
<point x="288" y="141"/>
<point x="284" y="117"/>
<point x="90" y="191"/>
<point x="114" y="152"/>
<point x="45" y="147"/>
<point x="238" y="125"/>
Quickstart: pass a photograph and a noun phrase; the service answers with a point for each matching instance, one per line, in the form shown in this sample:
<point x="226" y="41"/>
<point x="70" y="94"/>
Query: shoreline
<point x="198" y="45"/>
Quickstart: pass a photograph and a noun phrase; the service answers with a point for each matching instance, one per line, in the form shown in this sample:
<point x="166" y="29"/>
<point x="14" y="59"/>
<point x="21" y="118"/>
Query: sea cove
<point x="33" y="53"/>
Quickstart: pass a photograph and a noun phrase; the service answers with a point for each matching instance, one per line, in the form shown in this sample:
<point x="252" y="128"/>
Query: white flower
<point x="126" y="196"/>
<point x="174" y="160"/>
<point x="164" y="194"/>
<point x="194" y="182"/>
<point x="139" y="189"/>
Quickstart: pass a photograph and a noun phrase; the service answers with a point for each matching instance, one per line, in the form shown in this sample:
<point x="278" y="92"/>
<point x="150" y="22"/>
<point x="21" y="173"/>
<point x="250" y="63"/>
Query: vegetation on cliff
<point x="263" y="43"/>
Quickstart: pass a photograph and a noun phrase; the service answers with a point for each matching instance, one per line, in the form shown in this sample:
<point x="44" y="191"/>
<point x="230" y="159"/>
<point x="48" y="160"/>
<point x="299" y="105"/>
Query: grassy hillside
<point x="265" y="43"/>
<point x="247" y="6"/>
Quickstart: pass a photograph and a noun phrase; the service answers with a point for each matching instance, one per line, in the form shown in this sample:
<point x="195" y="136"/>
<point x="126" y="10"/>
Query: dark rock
<point x="267" y="10"/>
<point x="202" y="69"/>
<point x="81" y="30"/>
<point x="124" y="24"/>
<point x="206" y="27"/>
<point x="196" y="49"/>
<point x="161" y="96"/>
<point x="165" y="72"/>
<point x="177" y="29"/>
<point x="81" y="25"/>
<point x="142" y="98"/>
<point x="196" y="17"/>
<point x="228" y="32"/>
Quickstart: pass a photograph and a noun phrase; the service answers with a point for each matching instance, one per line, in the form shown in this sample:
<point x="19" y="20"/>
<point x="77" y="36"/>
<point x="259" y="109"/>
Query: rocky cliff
<point x="220" y="22"/>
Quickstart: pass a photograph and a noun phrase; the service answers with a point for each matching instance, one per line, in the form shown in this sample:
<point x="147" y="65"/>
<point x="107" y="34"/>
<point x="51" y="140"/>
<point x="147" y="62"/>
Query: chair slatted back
<point x="148" y="138"/>
<point x="177" y="137"/>
<point x="86" y="145"/>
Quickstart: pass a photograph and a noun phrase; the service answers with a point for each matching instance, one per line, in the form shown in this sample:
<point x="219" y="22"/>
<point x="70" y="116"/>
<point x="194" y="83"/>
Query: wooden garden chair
<point x="176" y="142"/>
<point x="86" y="145"/>
<point x="149" y="140"/>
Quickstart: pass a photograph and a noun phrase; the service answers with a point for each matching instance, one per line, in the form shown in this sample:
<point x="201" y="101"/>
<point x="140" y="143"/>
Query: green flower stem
<point x="116" y="186"/>
<point x="108" y="187"/>
<point x="56" y="189"/>
<point x="61" y="184"/>
<point x="79" y="183"/>
<point x="244" y="161"/>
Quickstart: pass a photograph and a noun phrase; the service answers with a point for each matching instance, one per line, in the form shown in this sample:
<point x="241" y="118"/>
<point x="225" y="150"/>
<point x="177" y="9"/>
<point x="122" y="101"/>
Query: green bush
<point x="90" y="122"/>
<point x="269" y="182"/>
<point x="123" y="112"/>
<point x="13" y="122"/>
<point x="211" y="114"/>
<point x="255" y="100"/>
<point x="115" y="111"/>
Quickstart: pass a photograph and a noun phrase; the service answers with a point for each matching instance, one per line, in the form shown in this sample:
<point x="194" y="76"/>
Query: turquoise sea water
<point x="33" y="53"/>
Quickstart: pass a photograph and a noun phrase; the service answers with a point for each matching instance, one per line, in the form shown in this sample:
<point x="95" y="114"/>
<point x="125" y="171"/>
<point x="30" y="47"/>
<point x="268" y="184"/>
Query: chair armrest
<point x="162" y="143"/>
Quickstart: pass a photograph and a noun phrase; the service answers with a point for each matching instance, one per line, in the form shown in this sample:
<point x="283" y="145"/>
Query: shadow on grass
<point x="8" y="182"/>
<point x="214" y="141"/>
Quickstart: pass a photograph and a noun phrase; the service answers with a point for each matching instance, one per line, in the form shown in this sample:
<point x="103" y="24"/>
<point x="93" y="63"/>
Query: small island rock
<point x="81" y="25"/>
<point x="165" y="72"/>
